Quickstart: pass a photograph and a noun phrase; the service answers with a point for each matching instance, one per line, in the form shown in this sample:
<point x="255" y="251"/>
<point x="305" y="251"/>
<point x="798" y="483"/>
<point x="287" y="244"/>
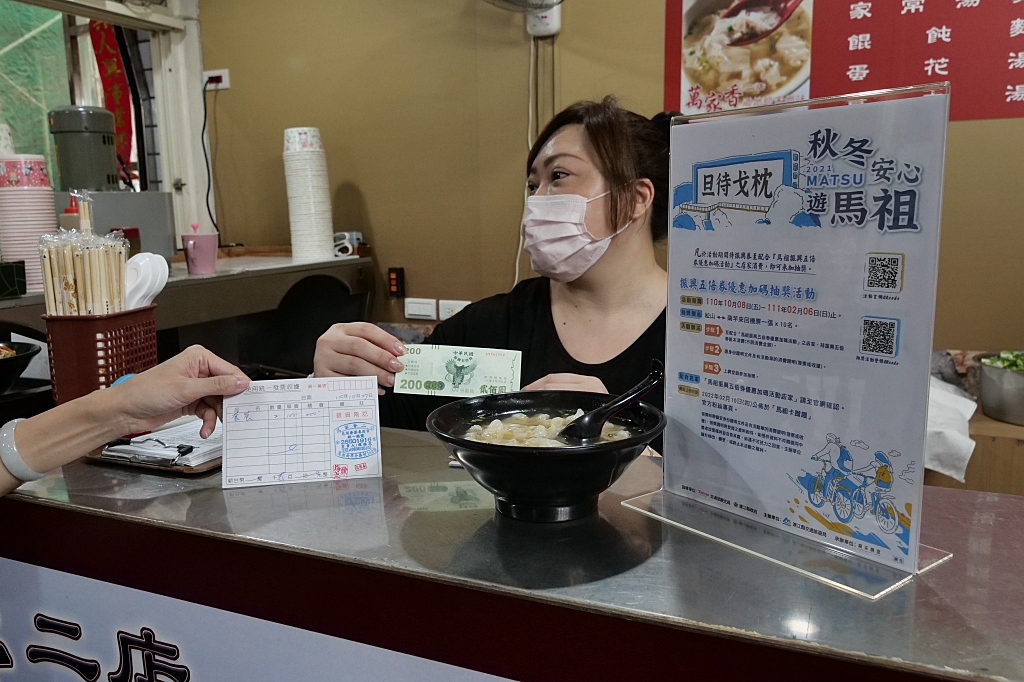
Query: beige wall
<point x="981" y="263"/>
<point x="423" y="109"/>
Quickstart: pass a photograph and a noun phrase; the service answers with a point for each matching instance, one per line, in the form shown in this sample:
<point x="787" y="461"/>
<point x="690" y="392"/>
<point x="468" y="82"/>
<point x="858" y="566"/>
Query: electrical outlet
<point x="218" y="79"/>
<point x="546" y="23"/>
<point x="421" y="308"/>
<point x="446" y="309"/>
<point x="396" y="282"/>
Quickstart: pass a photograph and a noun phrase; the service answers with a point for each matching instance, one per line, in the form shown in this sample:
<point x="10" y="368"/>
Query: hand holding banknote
<point x="459" y="371"/>
<point x="358" y="349"/>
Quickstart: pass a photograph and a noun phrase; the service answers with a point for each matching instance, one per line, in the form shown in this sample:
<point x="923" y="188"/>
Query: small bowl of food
<point x="509" y="444"/>
<point x="14" y="358"/>
<point x="1002" y="386"/>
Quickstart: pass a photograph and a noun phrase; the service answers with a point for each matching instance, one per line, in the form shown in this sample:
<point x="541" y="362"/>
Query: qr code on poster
<point x="884" y="272"/>
<point x="880" y="336"/>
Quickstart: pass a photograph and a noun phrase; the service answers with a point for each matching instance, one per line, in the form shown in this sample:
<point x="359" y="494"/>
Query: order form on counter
<point x="286" y="431"/>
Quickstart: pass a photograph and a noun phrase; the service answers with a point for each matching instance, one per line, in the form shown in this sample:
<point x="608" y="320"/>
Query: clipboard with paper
<point x="177" y="447"/>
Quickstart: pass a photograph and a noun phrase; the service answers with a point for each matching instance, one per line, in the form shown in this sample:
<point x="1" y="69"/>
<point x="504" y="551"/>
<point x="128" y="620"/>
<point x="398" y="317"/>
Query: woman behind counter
<point x="598" y="199"/>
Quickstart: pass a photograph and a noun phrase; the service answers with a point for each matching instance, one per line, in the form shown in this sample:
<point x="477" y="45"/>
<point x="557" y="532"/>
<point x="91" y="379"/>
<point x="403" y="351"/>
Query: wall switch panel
<point x="446" y="309"/>
<point x="421" y="308"/>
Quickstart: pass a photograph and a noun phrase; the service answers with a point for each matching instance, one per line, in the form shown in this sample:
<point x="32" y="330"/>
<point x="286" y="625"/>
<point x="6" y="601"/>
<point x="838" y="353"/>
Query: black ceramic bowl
<point x="543" y="484"/>
<point x="12" y="367"/>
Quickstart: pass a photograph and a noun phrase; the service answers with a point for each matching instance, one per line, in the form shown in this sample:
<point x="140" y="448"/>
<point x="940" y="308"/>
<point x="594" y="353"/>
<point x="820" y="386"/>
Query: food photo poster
<point x="722" y="55"/>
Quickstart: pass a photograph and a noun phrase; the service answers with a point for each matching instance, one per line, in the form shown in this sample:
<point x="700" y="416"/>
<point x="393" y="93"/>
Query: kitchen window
<point x="48" y="59"/>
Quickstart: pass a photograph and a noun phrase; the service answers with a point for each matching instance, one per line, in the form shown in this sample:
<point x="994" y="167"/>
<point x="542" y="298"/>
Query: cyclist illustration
<point x="872" y="494"/>
<point x="823" y="488"/>
<point x="853" y="492"/>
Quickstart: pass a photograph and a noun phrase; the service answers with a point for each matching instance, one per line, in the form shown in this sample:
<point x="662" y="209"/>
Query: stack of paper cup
<point x="309" y="194"/>
<point x="26" y="212"/>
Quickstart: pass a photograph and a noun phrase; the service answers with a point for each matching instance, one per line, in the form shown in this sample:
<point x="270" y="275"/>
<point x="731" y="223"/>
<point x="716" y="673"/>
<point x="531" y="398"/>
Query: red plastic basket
<point x="88" y="352"/>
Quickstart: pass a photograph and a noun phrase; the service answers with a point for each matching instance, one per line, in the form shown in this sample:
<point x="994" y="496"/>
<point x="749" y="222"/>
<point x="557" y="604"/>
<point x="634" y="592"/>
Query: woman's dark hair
<point x="628" y="147"/>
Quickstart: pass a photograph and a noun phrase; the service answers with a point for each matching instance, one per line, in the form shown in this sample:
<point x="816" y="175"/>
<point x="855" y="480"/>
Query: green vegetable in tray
<point x="1007" y="359"/>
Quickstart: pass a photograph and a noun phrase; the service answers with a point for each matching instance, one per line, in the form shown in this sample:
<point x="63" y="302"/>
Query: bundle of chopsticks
<point x="83" y="274"/>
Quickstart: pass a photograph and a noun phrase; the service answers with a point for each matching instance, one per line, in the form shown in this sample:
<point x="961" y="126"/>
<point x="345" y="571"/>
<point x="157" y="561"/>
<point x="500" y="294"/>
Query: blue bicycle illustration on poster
<point x="853" y="492"/>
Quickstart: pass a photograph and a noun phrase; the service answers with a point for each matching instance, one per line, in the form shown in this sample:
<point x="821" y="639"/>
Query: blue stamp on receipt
<point x="355" y="440"/>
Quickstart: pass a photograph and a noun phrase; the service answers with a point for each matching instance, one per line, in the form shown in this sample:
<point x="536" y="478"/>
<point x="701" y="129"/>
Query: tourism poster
<point x="837" y="47"/>
<point x="803" y="254"/>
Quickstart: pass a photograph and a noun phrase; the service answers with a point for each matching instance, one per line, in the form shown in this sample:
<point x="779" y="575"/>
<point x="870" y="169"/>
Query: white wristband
<point x="10" y="457"/>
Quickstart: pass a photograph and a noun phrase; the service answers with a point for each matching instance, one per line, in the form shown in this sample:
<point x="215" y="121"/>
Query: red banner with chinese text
<point x="860" y="45"/>
<point x="116" y="95"/>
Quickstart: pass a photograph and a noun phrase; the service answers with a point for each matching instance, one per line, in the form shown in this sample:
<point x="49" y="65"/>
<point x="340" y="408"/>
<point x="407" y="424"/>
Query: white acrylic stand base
<point x="833" y="567"/>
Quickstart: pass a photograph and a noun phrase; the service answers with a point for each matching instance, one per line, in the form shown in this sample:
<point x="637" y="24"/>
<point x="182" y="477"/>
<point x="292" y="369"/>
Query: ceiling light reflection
<point x="801" y="627"/>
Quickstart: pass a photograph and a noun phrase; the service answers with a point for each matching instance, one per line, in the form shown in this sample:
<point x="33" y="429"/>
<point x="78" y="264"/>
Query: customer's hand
<point x="192" y="382"/>
<point x="358" y="349"/>
<point x="568" y="382"/>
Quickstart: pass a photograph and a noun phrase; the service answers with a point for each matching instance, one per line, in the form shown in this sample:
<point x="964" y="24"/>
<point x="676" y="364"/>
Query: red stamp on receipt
<point x="340" y="470"/>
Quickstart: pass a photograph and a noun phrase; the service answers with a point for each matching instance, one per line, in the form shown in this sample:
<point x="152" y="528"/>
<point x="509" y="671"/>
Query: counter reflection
<point x="495" y="548"/>
<point x="339" y="515"/>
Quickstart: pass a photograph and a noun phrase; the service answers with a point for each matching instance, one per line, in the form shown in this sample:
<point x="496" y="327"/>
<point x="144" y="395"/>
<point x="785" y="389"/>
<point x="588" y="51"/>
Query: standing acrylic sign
<point x="803" y="254"/>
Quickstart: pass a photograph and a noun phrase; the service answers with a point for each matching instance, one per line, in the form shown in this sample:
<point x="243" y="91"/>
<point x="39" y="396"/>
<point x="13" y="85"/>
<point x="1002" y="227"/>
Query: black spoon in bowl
<point x="586" y="429"/>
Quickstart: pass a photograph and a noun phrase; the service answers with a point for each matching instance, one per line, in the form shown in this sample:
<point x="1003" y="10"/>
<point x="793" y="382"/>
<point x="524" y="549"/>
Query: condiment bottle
<point x="69" y="219"/>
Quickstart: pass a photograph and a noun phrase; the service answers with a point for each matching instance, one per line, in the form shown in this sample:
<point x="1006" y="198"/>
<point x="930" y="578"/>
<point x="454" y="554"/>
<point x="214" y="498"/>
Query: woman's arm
<point x="192" y="382"/>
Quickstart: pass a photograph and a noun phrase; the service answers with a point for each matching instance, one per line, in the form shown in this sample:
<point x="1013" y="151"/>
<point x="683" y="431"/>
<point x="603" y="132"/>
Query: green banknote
<point x="445" y="496"/>
<point x="458" y="371"/>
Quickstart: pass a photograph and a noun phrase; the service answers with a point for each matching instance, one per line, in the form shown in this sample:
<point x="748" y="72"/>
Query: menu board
<point x="838" y="47"/>
<point x="802" y="266"/>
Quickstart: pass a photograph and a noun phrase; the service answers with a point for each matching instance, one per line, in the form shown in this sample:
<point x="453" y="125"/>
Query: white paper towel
<point x="949" y="445"/>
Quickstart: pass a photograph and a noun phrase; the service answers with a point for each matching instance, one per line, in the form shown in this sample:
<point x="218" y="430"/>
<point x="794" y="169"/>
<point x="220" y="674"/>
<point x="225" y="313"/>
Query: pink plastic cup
<point x="200" y="253"/>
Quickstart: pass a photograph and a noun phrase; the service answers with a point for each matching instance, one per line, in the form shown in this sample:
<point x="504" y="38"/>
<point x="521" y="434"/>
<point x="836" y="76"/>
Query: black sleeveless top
<point x="521" y="320"/>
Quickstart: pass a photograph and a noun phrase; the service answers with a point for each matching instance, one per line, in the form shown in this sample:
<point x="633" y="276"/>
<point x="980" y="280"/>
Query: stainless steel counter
<point x="241" y="286"/>
<point x="964" y="619"/>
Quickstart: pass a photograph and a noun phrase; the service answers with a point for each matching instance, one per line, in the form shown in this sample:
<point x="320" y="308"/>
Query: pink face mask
<point x="555" y="235"/>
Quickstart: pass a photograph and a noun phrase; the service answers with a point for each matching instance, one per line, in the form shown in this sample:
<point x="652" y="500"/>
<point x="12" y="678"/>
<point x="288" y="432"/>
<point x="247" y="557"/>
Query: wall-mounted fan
<point x="526" y="6"/>
<point x="543" y="17"/>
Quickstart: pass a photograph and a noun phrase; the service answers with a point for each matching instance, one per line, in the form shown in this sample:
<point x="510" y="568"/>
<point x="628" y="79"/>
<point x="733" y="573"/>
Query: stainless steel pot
<point x="1002" y="394"/>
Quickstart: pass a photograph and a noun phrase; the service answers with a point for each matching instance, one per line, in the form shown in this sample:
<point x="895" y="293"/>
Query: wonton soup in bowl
<point x="531" y="477"/>
<point x="774" y="66"/>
